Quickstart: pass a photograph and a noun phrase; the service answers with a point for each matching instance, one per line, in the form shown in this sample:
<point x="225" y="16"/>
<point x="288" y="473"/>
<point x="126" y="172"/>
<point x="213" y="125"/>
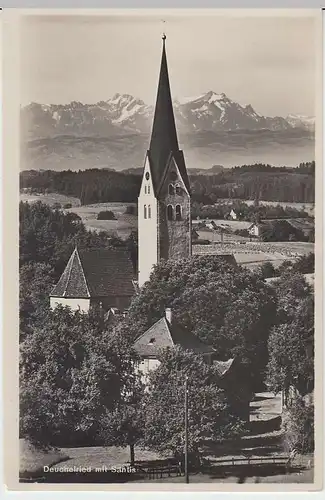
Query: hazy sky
<point x="263" y="61"/>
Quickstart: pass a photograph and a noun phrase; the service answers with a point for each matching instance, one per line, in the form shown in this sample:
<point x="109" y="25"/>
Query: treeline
<point x="48" y="236"/>
<point x="257" y="182"/>
<point x="245" y="212"/>
<point x="248" y="182"/>
<point x="90" y="186"/>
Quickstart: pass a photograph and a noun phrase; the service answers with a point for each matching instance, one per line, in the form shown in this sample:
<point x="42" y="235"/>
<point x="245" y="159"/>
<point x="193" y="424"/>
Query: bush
<point x="106" y="215"/>
<point x="131" y="210"/>
<point x="267" y="270"/>
<point x="67" y="205"/>
<point x="305" y="264"/>
<point x="298" y="424"/>
<point x="201" y="242"/>
<point x="242" y="232"/>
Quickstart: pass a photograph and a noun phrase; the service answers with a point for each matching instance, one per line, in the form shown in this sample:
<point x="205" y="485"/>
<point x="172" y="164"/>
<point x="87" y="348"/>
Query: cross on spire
<point x="164" y="136"/>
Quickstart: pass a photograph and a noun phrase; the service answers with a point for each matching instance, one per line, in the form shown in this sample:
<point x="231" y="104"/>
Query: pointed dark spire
<point x="163" y="137"/>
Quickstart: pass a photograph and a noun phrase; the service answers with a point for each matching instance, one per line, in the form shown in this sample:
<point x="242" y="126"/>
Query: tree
<point x="72" y="371"/>
<point x="311" y="236"/>
<point x="50" y="236"/>
<point x="305" y="264"/>
<point x="106" y="215"/>
<point x="124" y="425"/>
<point x="225" y="306"/>
<point x="291" y="341"/>
<point x="267" y="270"/>
<point x="35" y="283"/>
<point x="298" y="425"/>
<point x="131" y="210"/>
<point x="209" y="414"/>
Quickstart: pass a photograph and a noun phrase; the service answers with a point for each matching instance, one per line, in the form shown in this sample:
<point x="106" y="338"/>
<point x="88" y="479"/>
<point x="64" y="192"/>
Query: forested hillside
<point x="247" y="182"/>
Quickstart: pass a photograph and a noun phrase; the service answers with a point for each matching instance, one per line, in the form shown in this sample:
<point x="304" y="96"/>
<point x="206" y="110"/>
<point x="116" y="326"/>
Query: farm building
<point x="96" y="278"/>
<point x="254" y="230"/>
<point x="232" y="215"/>
<point x="281" y="229"/>
<point x="211" y="225"/>
<point x="304" y="225"/>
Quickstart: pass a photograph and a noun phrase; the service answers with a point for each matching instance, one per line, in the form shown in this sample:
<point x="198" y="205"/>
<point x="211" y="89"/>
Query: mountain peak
<point x="209" y="111"/>
<point x="215" y="96"/>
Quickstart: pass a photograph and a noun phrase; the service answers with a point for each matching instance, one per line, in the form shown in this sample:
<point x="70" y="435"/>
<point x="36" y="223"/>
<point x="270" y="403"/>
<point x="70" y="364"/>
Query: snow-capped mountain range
<point x="125" y="113"/>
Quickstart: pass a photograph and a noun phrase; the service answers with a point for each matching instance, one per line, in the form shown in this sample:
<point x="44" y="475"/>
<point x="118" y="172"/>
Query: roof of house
<point x="164" y="143"/>
<point x="223" y="367"/>
<point x="96" y="273"/>
<point x="303" y="224"/>
<point x="164" y="334"/>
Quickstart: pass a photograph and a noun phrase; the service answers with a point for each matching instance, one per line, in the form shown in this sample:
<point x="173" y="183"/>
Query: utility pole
<point x="186" y="432"/>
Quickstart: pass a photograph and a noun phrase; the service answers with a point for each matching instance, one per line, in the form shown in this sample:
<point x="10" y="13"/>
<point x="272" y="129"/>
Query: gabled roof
<point x="164" y="334"/>
<point x="164" y="142"/>
<point x="96" y="273"/>
<point x="223" y="367"/>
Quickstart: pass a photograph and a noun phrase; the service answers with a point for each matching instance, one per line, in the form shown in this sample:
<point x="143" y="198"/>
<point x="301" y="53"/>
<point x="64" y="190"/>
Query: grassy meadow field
<point x="247" y="253"/>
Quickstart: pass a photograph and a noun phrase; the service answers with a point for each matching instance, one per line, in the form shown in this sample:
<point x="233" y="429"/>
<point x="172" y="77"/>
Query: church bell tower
<point x="164" y="202"/>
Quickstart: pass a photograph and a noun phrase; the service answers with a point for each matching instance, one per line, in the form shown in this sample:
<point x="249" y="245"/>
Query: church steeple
<point x="164" y="203"/>
<point x="164" y="140"/>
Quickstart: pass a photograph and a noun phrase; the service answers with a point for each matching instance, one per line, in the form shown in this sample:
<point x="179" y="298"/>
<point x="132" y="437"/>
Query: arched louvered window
<point x="178" y="212"/>
<point x="171" y="189"/>
<point x="149" y="211"/>
<point x="178" y="189"/>
<point x="149" y="189"/>
<point x="145" y="211"/>
<point x="145" y="189"/>
<point x="169" y="212"/>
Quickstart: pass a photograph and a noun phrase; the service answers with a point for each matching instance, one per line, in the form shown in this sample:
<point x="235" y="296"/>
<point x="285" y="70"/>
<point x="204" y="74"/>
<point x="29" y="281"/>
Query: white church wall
<point x="147" y="227"/>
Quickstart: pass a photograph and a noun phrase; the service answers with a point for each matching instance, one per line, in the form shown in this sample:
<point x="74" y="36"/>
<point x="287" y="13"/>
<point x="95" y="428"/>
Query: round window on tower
<point x="147" y="176"/>
<point x="173" y="176"/>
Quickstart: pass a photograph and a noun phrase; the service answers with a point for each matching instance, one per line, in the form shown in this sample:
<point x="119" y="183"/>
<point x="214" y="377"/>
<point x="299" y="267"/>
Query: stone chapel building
<point x="164" y="203"/>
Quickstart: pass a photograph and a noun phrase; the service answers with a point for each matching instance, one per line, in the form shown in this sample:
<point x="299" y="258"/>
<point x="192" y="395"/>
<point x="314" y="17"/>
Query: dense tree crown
<point x="227" y="307"/>
<point x="209" y="414"/>
<point x="50" y="236"/>
<point x="77" y="379"/>
<point x="72" y="371"/>
<point x="291" y="341"/>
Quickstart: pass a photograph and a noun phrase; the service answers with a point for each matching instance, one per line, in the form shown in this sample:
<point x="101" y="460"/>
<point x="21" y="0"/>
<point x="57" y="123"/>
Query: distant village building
<point x="164" y="203"/>
<point x="254" y="230"/>
<point x="282" y="229"/>
<point x="232" y="215"/>
<point x="96" y="279"/>
<point x="211" y="225"/>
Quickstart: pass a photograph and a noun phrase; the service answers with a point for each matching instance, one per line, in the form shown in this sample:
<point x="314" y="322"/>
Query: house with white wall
<point x="167" y="333"/>
<point x="96" y="278"/>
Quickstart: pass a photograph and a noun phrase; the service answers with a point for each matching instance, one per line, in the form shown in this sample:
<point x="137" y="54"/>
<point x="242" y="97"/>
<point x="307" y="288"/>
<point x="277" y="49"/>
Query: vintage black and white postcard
<point x="163" y="177"/>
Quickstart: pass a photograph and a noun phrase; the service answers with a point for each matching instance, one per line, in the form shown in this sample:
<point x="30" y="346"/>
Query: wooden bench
<point x="158" y="468"/>
<point x="283" y="461"/>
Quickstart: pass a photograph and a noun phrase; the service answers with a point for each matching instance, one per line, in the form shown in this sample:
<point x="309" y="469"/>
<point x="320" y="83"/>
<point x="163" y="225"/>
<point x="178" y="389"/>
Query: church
<point x="106" y="277"/>
<point x="164" y="203"/>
